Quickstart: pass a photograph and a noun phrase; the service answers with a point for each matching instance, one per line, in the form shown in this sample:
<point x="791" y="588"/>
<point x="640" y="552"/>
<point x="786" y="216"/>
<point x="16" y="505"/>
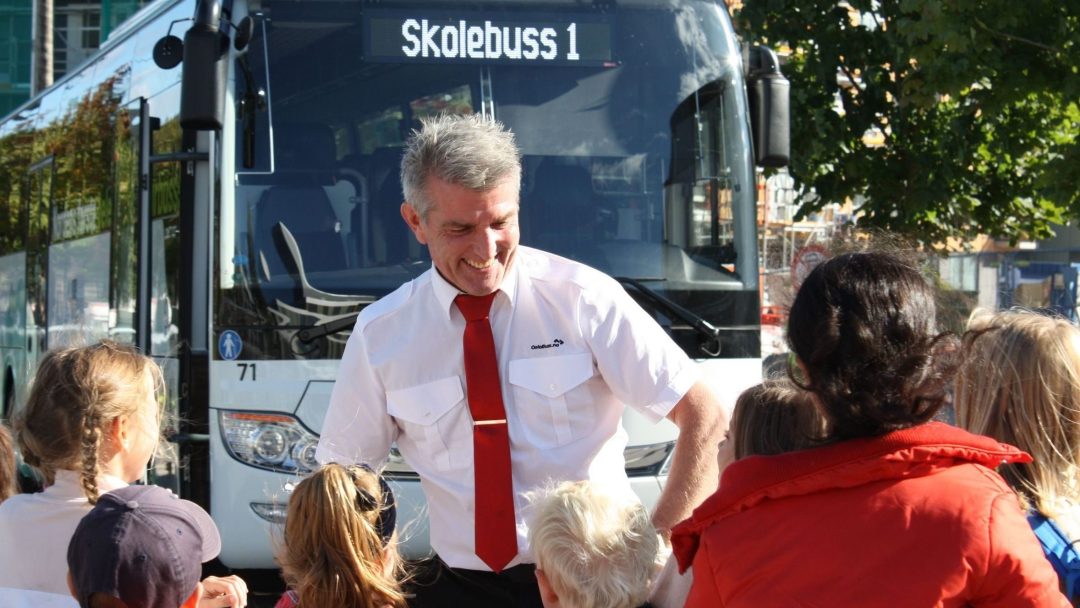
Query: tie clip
<point x="483" y="422"/>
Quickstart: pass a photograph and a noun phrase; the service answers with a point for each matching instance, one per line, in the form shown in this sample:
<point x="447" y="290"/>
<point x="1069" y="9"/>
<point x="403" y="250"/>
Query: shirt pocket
<point x="428" y="414"/>
<point x="552" y="398"/>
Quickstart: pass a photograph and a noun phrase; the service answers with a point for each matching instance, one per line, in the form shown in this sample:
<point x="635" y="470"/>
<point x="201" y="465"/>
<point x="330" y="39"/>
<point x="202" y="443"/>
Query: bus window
<point x="81" y="220"/>
<point x="37" y="253"/>
<point x="126" y="212"/>
<point x="701" y="171"/>
<point x="165" y="225"/>
<point x="457" y="100"/>
<point x="615" y="173"/>
<point x="380" y="130"/>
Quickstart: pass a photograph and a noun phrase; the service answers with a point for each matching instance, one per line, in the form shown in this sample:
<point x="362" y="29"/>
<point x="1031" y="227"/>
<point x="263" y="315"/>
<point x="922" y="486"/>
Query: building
<point x="16" y="24"/>
<point x="79" y="28"/>
<point x="1039" y="275"/>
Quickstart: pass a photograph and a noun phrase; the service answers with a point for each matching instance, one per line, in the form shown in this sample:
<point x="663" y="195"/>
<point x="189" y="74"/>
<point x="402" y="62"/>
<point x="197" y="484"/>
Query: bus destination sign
<point x="443" y="37"/>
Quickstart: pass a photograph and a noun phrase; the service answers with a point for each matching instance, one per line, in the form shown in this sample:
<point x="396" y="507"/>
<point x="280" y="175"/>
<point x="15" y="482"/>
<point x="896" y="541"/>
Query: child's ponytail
<point x="338" y="531"/>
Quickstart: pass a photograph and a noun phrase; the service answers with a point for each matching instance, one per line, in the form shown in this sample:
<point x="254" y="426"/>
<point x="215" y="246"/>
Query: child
<point x="772" y="418"/>
<point x="593" y="548"/>
<point x="90" y="425"/>
<point x="1021" y="384"/>
<point x="891" y="509"/>
<point x="7" y="464"/>
<point x="339" y="547"/>
<point x="141" y="546"/>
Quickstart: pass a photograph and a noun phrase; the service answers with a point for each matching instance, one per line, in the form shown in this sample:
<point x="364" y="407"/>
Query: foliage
<point x="975" y="102"/>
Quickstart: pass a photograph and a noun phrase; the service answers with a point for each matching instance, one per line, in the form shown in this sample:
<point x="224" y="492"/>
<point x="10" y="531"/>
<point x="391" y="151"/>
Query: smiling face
<point x="472" y="236"/>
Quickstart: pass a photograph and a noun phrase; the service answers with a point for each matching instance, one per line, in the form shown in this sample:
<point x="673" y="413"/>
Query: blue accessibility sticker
<point x="229" y="345"/>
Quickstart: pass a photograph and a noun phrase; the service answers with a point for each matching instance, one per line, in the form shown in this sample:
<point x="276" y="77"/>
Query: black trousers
<point x="436" y="585"/>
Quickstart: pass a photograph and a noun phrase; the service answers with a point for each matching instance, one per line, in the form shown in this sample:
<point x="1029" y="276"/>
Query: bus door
<point x="145" y="254"/>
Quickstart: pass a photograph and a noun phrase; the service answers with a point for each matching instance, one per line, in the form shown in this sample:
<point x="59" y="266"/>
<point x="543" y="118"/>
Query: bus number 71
<point x="244" y="367"/>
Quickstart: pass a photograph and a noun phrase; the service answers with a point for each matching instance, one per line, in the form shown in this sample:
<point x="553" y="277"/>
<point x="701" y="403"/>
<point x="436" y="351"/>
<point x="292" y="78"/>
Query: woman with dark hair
<point x="893" y="510"/>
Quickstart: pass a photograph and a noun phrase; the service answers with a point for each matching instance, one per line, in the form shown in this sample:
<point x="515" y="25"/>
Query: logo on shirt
<point x="556" y="343"/>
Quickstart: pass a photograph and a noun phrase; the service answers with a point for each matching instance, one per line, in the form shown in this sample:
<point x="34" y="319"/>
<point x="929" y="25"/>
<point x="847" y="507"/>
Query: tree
<point x="973" y="104"/>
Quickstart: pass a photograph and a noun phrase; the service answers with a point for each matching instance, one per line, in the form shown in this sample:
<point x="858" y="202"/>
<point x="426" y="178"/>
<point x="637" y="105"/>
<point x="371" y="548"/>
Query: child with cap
<point x="141" y="546"/>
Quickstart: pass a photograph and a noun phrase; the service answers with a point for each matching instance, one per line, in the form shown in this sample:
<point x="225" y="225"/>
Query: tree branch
<point x="1015" y="38"/>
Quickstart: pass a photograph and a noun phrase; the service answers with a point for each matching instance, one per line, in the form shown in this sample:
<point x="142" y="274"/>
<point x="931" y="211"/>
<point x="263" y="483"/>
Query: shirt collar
<point x="73" y="479"/>
<point x="445" y="292"/>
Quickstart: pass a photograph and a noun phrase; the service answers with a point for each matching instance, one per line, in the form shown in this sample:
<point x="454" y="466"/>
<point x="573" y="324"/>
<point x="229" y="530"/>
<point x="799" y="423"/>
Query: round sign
<point x="806" y="259"/>
<point x="229" y="345"/>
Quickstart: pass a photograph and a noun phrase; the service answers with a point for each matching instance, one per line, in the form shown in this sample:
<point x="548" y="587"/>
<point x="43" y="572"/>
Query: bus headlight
<point x="303" y="452"/>
<point x="271" y="445"/>
<point x="275" y="442"/>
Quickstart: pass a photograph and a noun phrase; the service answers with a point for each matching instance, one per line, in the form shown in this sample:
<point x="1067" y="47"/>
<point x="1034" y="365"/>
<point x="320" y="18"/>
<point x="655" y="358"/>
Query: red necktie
<point x="496" y="527"/>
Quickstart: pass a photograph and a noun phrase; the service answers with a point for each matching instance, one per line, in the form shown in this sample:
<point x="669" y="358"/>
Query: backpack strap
<point x="1062" y="554"/>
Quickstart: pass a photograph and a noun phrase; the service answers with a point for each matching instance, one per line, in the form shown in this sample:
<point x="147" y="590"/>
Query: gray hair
<point x="597" y="547"/>
<point x="468" y="150"/>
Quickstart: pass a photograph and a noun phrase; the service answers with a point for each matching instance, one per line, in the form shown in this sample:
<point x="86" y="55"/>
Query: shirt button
<point x="551" y="386"/>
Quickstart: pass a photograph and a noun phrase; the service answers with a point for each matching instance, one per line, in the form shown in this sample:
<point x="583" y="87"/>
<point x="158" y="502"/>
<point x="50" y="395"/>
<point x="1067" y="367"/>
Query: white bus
<point x="233" y="213"/>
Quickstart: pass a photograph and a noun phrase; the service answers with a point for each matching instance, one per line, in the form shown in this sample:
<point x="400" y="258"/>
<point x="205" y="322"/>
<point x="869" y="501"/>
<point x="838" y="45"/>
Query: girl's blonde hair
<point x="76" y="395"/>
<point x="333" y="554"/>
<point x="1020" y="384"/>
<point x="773" y="418"/>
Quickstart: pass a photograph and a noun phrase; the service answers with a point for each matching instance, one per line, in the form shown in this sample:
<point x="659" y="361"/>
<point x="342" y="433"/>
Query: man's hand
<point x="227" y="592"/>
<point x="694" y="475"/>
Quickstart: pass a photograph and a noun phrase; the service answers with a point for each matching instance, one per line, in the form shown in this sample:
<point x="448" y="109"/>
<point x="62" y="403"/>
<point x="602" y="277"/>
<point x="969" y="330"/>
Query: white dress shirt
<point x="35" y="530"/>
<point x="572" y="347"/>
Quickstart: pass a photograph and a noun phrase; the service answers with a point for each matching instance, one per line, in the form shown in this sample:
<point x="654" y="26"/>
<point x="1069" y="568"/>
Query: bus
<point x="219" y="186"/>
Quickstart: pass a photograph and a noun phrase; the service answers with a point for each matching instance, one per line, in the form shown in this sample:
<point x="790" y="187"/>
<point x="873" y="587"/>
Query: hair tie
<point x="387" y="512"/>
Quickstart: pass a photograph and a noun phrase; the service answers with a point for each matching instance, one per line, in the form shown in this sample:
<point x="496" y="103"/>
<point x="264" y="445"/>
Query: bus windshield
<point x="630" y="118"/>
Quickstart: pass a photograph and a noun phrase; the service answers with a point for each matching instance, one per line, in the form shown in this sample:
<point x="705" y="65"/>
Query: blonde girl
<point x="90" y="425"/>
<point x="339" y="546"/>
<point x="1020" y="384"/>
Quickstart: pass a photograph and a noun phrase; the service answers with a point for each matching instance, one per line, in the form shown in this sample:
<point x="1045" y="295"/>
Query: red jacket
<point x="913" y="518"/>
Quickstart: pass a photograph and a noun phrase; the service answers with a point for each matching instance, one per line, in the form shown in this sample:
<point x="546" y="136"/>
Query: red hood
<point x="913" y="452"/>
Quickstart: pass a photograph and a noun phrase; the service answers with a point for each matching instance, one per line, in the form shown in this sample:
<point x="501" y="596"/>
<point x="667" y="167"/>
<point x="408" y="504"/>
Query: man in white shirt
<point x="571" y="349"/>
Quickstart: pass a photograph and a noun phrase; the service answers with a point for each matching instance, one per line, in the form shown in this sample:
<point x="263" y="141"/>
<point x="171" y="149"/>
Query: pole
<point x="43" y="46"/>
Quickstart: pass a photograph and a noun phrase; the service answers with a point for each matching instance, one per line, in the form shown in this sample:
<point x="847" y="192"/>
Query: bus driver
<point x="503" y="369"/>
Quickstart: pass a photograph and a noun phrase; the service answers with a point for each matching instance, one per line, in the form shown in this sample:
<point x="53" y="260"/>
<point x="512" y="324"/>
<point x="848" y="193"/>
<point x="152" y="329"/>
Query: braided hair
<point x="77" y="393"/>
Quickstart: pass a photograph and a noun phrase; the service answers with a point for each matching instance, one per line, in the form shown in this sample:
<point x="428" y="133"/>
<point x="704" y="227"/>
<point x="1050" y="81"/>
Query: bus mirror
<point x="202" y="91"/>
<point x="168" y="52"/>
<point x="767" y="93"/>
<point x="244" y="31"/>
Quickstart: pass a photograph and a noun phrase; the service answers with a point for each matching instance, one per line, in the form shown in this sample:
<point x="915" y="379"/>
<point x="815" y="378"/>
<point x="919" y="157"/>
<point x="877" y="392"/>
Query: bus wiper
<point x="309" y="334"/>
<point x="709" y="335"/>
